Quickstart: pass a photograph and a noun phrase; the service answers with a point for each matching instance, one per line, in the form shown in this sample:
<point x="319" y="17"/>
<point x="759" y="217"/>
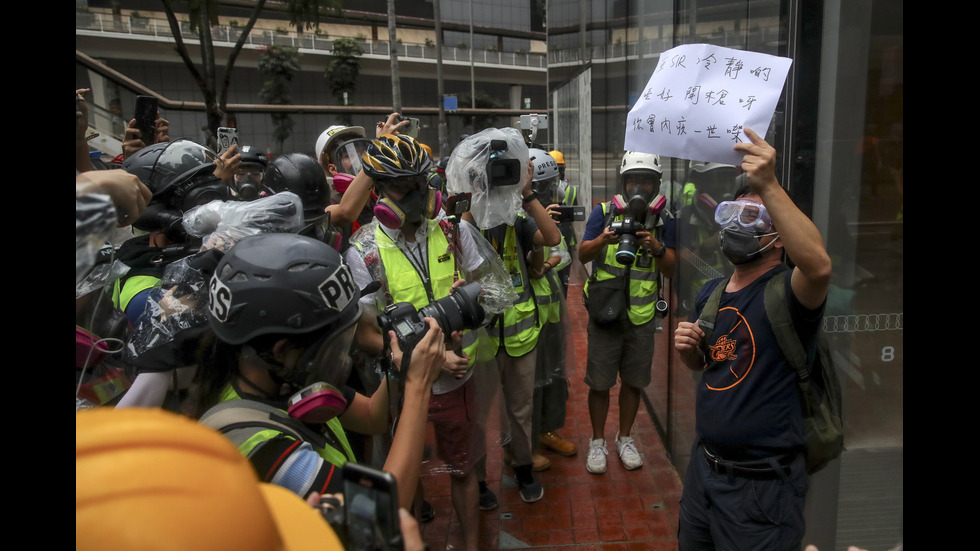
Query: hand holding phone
<point x="371" y="508"/>
<point x="413" y="127"/>
<point x="226" y="137"/>
<point x="571" y="214"/>
<point x="146" y="118"/>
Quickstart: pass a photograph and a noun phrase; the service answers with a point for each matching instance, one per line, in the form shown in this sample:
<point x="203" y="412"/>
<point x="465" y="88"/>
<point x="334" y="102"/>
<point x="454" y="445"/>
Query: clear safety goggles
<point x="748" y="215"/>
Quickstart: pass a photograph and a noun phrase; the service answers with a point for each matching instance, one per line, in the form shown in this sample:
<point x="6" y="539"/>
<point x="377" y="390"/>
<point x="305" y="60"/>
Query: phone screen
<point x="371" y="508"/>
<point x="146" y="118"/>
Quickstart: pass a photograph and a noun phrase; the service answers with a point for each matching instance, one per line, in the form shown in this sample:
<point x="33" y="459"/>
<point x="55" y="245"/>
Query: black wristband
<point x="527" y="199"/>
<point x="660" y="252"/>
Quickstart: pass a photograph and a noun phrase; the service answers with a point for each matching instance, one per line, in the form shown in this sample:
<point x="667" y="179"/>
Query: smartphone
<point x="146" y="118"/>
<point x="458" y="204"/>
<point x="371" y="508"/>
<point x="571" y="214"/>
<point x="412" y="129"/>
<point x="226" y="137"/>
<point x="532" y="121"/>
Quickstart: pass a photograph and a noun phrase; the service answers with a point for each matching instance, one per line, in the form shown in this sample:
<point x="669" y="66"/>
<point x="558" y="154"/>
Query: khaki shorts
<point x="627" y="354"/>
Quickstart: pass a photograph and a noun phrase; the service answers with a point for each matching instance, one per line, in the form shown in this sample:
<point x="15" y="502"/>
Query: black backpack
<point x="820" y="389"/>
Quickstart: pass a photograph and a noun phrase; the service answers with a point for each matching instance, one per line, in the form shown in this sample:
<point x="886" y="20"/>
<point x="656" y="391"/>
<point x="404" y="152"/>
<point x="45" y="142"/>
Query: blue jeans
<point x="732" y="513"/>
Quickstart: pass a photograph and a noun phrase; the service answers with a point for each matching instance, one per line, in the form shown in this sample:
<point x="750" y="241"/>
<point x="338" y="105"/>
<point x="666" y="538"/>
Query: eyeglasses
<point x="749" y="215"/>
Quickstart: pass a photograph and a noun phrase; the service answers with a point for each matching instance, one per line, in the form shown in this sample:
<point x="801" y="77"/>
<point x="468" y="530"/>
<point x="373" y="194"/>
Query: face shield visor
<point x="321" y="372"/>
<point x="347" y="155"/>
<point x="181" y="160"/>
<point x="546" y="190"/>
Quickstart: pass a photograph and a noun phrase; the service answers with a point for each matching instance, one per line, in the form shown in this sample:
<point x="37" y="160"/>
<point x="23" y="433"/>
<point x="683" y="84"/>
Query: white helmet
<point x="545" y="166"/>
<point x="702" y="166"/>
<point x="634" y="160"/>
<point x="332" y="134"/>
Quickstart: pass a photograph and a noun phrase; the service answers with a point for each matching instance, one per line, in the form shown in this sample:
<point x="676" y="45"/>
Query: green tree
<point x="203" y="16"/>
<point x="343" y="69"/>
<point x="278" y="64"/>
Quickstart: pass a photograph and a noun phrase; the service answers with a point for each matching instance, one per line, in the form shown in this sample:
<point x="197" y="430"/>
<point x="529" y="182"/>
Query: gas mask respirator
<point x="423" y="201"/>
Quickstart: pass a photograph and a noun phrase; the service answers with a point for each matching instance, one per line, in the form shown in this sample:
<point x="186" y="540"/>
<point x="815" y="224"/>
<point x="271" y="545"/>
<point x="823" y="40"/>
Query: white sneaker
<point x="596" y="463"/>
<point x="627" y="453"/>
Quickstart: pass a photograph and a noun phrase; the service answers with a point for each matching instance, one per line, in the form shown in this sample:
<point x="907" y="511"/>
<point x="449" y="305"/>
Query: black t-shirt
<point x="748" y="404"/>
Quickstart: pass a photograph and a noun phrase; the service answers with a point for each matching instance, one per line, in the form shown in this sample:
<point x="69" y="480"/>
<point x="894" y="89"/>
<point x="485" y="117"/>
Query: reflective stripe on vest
<point x="248" y="439"/>
<point x="520" y="324"/>
<point x="405" y="283"/>
<point x="547" y="293"/>
<point x="643" y="281"/>
<point x="133" y="286"/>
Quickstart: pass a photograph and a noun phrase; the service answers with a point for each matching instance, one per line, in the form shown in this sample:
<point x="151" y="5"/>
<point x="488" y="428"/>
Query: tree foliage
<point x="202" y="16"/>
<point x="343" y="69"/>
<point x="278" y="64"/>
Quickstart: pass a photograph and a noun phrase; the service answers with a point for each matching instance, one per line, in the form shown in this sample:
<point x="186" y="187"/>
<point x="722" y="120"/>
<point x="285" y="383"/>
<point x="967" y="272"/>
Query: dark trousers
<point x="732" y="513"/>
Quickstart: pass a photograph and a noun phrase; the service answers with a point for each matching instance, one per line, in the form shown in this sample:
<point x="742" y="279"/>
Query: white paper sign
<point x="699" y="99"/>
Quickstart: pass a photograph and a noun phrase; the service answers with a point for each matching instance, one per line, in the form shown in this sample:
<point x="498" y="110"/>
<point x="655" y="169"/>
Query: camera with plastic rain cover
<point x="501" y="170"/>
<point x="626" y="230"/>
<point x="456" y="312"/>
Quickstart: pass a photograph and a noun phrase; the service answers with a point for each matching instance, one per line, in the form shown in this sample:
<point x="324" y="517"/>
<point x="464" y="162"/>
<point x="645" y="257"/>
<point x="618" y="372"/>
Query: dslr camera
<point x="456" y="312"/>
<point x="626" y="230"/>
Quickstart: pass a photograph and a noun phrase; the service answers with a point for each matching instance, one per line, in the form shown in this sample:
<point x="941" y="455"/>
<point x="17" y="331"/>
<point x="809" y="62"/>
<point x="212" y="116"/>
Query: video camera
<point x="502" y="171"/>
<point x="460" y="310"/>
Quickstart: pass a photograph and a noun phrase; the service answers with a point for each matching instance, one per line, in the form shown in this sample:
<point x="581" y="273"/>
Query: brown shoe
<point x="541" y="463"/>
<point x="555" y="442"/>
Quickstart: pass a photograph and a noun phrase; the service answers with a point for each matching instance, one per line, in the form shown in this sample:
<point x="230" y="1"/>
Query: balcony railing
<point x="227" y="36"/>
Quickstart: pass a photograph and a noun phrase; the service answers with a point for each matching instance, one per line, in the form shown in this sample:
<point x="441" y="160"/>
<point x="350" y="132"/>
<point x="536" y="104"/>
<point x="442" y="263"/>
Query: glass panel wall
<point x="839" y="131"/>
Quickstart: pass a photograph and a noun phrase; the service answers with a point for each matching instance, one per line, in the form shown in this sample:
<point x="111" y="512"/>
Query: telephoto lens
<point x="458" y="311"/>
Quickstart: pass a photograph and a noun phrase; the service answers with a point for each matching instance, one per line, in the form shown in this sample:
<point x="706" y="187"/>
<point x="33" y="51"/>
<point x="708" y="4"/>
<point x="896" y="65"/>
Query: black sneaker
<point x="488" y="500"/>
<point x="532" y="491"/>
<point x="427" y="513"/>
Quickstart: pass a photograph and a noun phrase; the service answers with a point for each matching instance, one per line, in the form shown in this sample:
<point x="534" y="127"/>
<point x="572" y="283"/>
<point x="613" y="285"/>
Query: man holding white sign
<point x="747" y="482"/>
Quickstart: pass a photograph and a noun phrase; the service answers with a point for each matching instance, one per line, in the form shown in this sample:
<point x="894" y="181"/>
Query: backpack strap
<point x="777" y="310"/>
<point x="248" y="414"/>
<point x="706" y="320"/>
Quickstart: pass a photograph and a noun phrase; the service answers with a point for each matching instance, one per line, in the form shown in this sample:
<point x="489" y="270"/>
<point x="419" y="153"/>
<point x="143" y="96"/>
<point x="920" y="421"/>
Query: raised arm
<point x="800" y="237"/>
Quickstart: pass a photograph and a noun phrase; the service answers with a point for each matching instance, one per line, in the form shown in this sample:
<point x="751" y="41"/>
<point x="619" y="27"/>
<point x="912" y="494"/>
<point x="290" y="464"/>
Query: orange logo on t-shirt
<point x="724" y="349"/>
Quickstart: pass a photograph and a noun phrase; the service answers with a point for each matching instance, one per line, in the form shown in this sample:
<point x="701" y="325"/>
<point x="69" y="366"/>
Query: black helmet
<point x="302" y="175"/>
<point x="289" y="285"/>
<point x="181" y="176"/>
<point x="391" y="156"/>
<point x="252" y="155"/>
<point x="280" y="284"/>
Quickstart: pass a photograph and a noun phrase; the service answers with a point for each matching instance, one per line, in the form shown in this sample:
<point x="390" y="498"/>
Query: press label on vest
<point x="220" y="299"/>
<point x="338" y="289"/>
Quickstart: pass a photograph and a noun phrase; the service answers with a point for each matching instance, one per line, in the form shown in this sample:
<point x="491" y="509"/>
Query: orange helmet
<point x="150" y="479"/>
<point x="557" y="156"/>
